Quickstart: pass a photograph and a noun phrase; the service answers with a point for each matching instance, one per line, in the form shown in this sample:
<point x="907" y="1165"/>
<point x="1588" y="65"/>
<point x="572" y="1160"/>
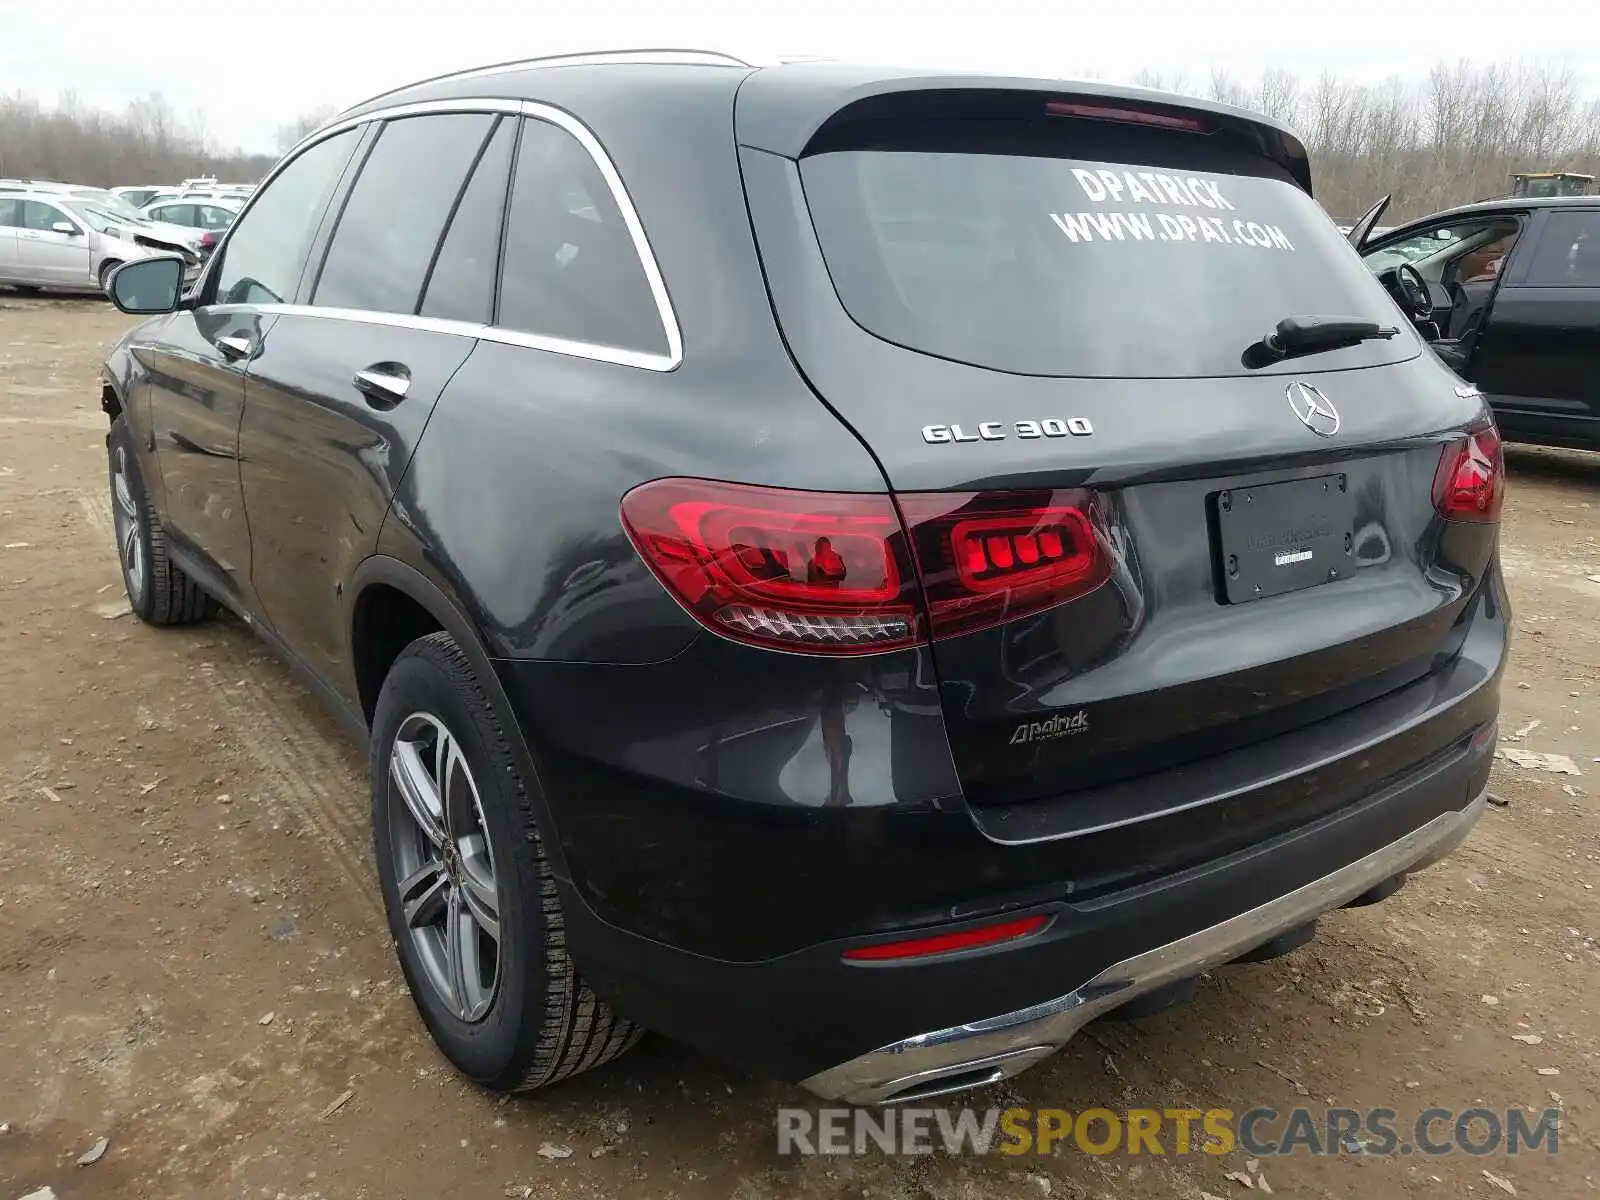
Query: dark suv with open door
<point x="1508" y="294"/>
<point x="860" y="571"/>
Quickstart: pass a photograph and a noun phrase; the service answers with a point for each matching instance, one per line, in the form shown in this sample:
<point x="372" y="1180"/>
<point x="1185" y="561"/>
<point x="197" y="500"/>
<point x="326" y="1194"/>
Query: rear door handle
<point x="384" y="384"/>
<point x="233" y="346"/>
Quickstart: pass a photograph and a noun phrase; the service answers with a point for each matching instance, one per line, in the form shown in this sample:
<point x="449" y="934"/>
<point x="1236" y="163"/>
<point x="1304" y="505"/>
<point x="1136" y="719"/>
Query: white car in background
<point x="138" y="195"/>
<point x="222" y="192"/>
<point x="57" y="241"/>
<point x="211" y="216"/>
<point x="118" y="206"/>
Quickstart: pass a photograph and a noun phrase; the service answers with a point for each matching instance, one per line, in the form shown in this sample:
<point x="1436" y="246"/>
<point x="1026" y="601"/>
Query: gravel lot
<point x="194" y="965"/>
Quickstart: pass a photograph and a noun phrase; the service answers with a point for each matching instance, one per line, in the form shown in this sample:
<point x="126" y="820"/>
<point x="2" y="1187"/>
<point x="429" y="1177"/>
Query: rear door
<point x="1150" y="546"/>
<point x="1538" y="353"/>
<point x="342" y="388"/>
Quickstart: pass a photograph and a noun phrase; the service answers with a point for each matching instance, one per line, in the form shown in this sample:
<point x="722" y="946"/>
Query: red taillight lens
<point x="945" y="943"/>
<point x="794" y="570"/>
<point x="837" y="574"/>
<point x="208" y="240"/>
<point x="1127" y="116"/>
<point x="988" y="558"/>
<point x="1470" y="482"/>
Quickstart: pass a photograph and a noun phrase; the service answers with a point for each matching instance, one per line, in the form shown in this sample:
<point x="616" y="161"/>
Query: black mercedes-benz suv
<point x="860" y="571"/>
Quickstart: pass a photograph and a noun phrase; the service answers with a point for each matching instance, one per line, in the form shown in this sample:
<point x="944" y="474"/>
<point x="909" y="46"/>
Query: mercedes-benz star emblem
<point x="1315" y="410"/>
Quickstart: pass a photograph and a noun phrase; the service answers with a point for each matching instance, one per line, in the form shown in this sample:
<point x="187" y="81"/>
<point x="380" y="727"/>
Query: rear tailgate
<point x="1028" y="308"/>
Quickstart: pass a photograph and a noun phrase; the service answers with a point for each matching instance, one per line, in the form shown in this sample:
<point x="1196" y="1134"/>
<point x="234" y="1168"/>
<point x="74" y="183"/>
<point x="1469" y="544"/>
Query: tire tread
<point x="175" y="599"/>
<point x="579" y="1030"/>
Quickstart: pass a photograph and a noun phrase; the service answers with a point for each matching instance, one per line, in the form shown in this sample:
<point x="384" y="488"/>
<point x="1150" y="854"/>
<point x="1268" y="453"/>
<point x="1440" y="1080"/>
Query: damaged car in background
<point x="48" y="240"/>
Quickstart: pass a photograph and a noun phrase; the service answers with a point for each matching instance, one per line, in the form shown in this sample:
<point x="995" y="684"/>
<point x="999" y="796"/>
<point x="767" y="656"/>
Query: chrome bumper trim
<point x="986" y="1051"/>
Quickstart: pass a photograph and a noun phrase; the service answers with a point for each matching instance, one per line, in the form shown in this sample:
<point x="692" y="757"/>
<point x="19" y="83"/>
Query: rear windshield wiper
<point x="1295" y="336"/>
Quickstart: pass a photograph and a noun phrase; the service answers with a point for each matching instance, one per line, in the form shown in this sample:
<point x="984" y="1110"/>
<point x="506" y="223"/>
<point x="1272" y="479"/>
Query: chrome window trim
<point x="644" y="359"/>
<point x="469" y="329"/>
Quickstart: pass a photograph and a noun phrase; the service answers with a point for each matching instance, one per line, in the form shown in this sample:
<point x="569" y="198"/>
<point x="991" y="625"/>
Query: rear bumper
<point x="996" y="1047"/>
<point x="871" y="1031"/>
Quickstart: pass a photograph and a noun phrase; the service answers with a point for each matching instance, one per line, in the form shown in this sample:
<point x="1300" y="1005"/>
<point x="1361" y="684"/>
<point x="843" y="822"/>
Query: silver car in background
<point x="118" y="206"/>
<point x="49" y="240"/>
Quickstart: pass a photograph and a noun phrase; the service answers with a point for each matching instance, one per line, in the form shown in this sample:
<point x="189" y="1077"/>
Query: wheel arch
<point x="380" y="577"/>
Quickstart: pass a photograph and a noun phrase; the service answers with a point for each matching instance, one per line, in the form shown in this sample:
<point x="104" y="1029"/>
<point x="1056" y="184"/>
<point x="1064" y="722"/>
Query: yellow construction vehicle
<point x="1550" y="183"/>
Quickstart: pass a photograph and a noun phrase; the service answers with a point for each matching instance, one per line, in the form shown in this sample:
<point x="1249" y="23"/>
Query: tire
<point x="110" y="265"/>
<point x="158" y="590"/>
<point x="510" y="1010"/>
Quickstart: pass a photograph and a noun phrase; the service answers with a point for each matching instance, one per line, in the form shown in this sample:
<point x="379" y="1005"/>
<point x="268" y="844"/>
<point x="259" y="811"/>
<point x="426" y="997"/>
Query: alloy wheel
<point x="125" y="522"/>
<point x="444" y="866"/>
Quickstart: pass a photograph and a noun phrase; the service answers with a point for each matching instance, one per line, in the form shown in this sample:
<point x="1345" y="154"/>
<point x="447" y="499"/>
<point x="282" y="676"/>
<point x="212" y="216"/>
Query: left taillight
<point x="820" y="572"/>
<point x="832" y="573"/>
<point x="1470" y="482"/>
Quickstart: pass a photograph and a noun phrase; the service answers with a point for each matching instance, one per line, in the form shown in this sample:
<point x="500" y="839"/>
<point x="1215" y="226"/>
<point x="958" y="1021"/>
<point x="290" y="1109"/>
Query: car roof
<point x="1504" y="204"/>
<point x="230" y="202"/>
<point x="34" y="194"/>
<point x="783" y="105"/>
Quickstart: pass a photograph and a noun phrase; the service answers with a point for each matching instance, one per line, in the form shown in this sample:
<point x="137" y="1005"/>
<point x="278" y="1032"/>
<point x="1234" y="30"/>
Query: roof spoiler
<point x="785" y="109"/>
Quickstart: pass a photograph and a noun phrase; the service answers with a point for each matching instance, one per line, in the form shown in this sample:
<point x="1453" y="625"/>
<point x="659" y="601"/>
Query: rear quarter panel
<point x="511" y="501"/>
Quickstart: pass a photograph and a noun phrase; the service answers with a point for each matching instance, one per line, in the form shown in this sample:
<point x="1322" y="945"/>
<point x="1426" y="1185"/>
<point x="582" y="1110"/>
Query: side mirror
<point x="65" y="227"/>
<point x="147" y="285"/>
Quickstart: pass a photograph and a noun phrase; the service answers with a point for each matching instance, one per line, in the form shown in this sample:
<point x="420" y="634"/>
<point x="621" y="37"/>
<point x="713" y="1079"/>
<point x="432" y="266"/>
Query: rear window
<point x="1083" y="249"/>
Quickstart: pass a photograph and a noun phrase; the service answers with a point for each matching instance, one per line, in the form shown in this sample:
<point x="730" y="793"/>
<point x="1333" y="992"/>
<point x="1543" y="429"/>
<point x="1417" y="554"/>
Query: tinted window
<point x="461" y="287"/>
<point x="10" y="213"/>
<point x="266" y="253"/>
<point x="208" y="217"/>
<point x="1081" y="248"/>
<point x="178" y="214"/>
<point x="397" y="211"/>
<point x="571" y="270"/>
<point x="1568" y="254"/>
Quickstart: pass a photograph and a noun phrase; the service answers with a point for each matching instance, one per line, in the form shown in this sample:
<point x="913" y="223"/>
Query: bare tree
<point x="1454" y="136"/>
<point x="1451" y="138"/>
<point x="147" y="143"/>
<point x="291" y="134"/>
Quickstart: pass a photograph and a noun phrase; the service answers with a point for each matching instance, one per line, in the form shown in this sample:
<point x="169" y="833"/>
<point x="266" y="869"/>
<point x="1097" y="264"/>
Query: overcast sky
<point x="254" y="66"/>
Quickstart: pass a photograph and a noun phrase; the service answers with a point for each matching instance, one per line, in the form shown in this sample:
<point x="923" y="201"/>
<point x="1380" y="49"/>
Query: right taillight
<point x="826" y="573"/>
<point x="1470" y="482"/>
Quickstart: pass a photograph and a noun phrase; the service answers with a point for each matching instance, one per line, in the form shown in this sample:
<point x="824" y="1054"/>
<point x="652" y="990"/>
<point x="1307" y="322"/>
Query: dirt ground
<point x="193" y="962"/>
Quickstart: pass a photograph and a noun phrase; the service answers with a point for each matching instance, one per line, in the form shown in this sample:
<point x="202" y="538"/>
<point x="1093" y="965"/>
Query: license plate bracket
<point x="1281" y="537"/>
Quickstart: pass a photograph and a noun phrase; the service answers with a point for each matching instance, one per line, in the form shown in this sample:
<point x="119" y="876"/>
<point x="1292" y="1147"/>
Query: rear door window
<point x="571" y="269"/>
<point x="397" y="211"/>
<point x="1568" y="253"/>
<point x="460" y="286"/>
<point x="1087" y="249"/>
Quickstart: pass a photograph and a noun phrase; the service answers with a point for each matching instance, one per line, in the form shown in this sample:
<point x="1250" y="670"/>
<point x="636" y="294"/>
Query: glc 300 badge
<point x="998" y="431"/>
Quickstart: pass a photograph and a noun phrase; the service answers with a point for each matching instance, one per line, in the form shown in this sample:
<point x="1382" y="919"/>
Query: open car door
<point x="1362" y="229"/>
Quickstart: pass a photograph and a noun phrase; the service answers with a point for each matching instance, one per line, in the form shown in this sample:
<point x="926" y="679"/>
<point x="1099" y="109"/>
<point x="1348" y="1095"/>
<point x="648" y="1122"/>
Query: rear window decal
<point x="1154" y="187"/>
<point x="1150" y="187"/>
<point x="1166" y="227"/>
